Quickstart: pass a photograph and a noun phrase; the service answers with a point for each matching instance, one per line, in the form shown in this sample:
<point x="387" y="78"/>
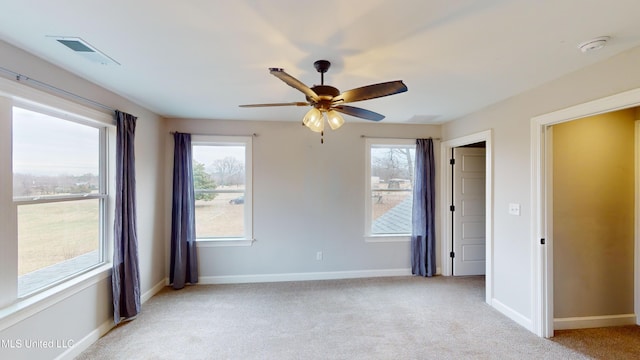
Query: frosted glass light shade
<point x="334" y="119"/>
<point x="314" y="120"/>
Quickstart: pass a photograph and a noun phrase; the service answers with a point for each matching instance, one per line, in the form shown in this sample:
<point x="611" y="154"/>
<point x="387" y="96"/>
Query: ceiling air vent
<point x="85" y="50"/>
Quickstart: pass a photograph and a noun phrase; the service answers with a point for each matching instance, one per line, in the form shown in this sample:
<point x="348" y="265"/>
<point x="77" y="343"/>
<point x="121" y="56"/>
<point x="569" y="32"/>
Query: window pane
<point x="56" y="240"/>
<point x="55" y="160"/>
<point x="391" y="188"/>
<point x="219" y="217"/>
<point x="52" y="156"/>
<point x="219" y="183"/>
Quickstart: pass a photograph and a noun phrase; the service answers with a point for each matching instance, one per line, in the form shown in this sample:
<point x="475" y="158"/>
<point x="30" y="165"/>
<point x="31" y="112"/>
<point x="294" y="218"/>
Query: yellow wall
<point x="593" y="215"/>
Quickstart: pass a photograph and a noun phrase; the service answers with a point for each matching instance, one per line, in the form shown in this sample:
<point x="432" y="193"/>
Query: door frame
<point x="446" y="221"/>
<point x="542" y="255"/>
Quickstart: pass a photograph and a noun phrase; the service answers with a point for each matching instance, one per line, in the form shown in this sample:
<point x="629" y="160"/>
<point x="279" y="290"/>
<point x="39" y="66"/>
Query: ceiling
<point x="203" y="58"/>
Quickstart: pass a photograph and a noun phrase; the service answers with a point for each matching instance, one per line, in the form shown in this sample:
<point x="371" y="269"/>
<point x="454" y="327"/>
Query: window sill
<point x="28" y="306"/>
<point x="387" y="238"/>
<point x="56" y="274"/>
<point x="224" y="242"/>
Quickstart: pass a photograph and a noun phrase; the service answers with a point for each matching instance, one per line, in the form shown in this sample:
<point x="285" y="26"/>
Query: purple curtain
<point x="125" y="279"/>
<point x="184" y="259"/>
<point x="423" y="255"/>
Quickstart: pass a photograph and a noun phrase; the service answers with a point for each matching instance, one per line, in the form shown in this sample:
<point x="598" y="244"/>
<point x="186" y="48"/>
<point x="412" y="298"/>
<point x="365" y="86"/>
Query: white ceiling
<point x="203" y="58"/>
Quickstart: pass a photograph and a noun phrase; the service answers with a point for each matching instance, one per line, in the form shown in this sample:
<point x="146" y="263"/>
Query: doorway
<point x="591" y="218"/>
<point x="446" y="148"/>
<point x="468" y="239"/>
<point x="542" y="210"/>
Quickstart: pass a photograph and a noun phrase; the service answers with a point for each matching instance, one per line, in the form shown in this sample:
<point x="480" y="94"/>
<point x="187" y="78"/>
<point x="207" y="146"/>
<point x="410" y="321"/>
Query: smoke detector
<point x="594" y="44"/>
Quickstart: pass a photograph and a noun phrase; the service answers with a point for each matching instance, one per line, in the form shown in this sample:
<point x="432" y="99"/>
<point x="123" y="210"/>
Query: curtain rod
<point x="27" y="80"/>
<point x="394" y="137"/>
<point x="253" y="134"/>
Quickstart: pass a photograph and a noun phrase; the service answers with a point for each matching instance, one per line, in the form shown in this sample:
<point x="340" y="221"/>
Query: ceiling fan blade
<point x="276" y="104"/>
<point x="294" y="83"/>
<point x="358" y="112"/>
<point x="371" y="91"/>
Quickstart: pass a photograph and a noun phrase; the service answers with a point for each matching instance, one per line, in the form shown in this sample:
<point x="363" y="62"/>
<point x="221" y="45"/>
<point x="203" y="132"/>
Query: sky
<point x="45" y="145"/>
<point x="207" y="155"/>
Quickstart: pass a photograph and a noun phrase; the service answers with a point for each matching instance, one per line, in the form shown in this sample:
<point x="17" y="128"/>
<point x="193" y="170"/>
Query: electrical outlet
<point x="514" y="209"/>
<point x="319" y="255"/>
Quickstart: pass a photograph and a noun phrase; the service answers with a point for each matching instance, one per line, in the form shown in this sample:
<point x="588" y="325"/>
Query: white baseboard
<point x="512" y="314"/>
<point x="87" y="341"/>
<point x="104" y="328"/>
<point x="332" y="275"/>
<point x="154" y="290"/>
<point x="593" y="321"/>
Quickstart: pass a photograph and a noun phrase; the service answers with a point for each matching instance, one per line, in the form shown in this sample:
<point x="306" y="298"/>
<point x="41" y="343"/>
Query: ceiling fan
<point x="327" y="101"/>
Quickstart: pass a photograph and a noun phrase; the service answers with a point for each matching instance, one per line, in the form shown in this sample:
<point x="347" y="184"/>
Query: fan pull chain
<point x="322" y="137"/>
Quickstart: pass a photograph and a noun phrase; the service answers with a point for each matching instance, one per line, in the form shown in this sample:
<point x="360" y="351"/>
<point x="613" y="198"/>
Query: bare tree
<point x="23" y="184"/>
<point x="409" y="162"/>
<point x="393" y="163"/>
<point x="229" y="171"/>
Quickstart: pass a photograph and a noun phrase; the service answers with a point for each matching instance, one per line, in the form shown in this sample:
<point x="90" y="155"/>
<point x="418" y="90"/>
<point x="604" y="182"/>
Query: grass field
<point x="50" y="233"/>
<point x="219" y="218"/>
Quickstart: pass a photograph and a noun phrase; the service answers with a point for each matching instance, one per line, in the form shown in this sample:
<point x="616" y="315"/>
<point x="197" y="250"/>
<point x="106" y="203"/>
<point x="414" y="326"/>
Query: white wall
<point x="307" y="197"/>
<point x="88" y="312"/>
<point x="510" y="121"/>
<point x="593" y="215"/>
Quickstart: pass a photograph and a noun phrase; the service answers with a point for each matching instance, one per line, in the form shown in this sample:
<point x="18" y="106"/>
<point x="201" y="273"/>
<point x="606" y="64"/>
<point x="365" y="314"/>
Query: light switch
<point x="514" y="209"/>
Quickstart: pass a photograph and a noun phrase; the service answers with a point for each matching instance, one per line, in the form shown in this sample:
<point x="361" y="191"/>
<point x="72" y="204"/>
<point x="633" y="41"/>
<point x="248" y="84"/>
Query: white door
<point x="468" y="211"/>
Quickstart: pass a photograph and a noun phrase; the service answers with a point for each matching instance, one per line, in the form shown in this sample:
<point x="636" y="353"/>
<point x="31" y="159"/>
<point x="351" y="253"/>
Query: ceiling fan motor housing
<point x="325" y="94"/>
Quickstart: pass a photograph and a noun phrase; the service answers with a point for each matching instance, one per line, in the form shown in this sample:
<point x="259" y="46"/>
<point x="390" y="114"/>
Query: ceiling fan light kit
<point x="327" y="102"/>
<point x="314" y="120"/>
<point x="334" y="119"/>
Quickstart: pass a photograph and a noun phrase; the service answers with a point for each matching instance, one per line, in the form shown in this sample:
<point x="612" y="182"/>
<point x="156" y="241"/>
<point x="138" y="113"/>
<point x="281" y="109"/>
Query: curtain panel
<point x="126" y="274"/>
<point x="423" y="256"/>
<point x="184" y="261"/>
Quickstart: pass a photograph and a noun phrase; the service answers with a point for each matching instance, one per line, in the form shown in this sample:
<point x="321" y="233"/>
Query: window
<point x="389" y="184"/>
<point x="222" y="184"/>
<point x="59" y="190"/>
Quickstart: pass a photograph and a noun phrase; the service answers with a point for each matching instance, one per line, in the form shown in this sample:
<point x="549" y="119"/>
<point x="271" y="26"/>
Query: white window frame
<point x="368" y="235"/>
<point x="224" y="140"/>
<point x="14" y="309"/>
<point x="102" y="196"/>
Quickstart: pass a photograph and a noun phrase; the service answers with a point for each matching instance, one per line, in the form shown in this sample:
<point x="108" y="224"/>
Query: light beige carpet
<point x="620" y="342"/>
<point x="378" y="318"/>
